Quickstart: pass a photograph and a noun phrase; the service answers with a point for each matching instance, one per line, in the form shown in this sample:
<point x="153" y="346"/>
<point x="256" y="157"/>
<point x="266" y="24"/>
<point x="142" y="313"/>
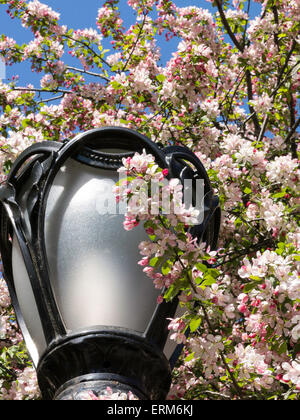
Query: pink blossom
<point x="178" y="337"/>
<point x="160" y="299"/>
<point x="130" y="223"/>
<point x="176" y="324"/>
<point x="4" y="295"/>
<point x="48" y="82"/>
<point x="149" y="271"/>
<point x="292" y="372"/>
<point x="262" y="104"/>
<point x="281" y="169"/>
<point x="159" y="281"/>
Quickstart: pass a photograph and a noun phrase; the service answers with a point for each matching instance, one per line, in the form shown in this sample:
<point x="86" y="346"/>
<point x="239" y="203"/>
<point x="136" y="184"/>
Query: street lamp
<point x="88" y="316"/>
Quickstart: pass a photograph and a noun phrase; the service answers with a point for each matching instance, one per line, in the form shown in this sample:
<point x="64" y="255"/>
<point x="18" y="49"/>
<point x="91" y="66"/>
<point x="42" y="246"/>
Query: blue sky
<point x="82" y="14"/>
<point x="79" y="14"/>
<point x="75" y="14"/>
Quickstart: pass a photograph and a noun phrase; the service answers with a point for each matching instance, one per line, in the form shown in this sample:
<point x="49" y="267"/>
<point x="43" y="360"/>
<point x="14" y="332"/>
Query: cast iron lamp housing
<point x="88" y="315"/>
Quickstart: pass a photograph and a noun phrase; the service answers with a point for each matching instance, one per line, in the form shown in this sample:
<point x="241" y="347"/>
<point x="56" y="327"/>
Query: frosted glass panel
<point x="92" y="259"/>
<point x="27" y="304"/>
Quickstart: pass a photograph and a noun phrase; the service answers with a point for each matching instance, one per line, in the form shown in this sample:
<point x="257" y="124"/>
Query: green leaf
<point x="195" y="324"/>
<point x="296" y="349"/>
<point x="153" y="261"/>
<point x="279" y="195"/>
<point x="116" y="85"/>
<point x="198" y="280"/>
<point x="256" y="278"/>
<point x="165" y="268"/>
<point x="208" y="280"/>
<point x="282" y="348"/>
<point x="277" y="116"/>
<point x="156" y="261"/>
<point x="281" y="245"/>
<point x="25" y="123"/>
<point x="214" y="272"/>
<point x="171" y="293"/>
<point x="249" y="286"/>
<point x="201" y="267"/>
<point x="161" y="78"/>
<point x="189" y="357"/>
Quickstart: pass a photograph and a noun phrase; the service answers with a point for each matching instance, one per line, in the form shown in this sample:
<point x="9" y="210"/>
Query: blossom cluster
<point x="171" y="254"/>
<point x="37" y="10"/>
<point x="24" y="387"/>
<point x="166" y="197"/>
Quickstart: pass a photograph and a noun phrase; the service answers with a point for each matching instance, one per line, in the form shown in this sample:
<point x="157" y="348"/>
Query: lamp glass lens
<point x="36" y="342"/>
<point x="92" y="260"/>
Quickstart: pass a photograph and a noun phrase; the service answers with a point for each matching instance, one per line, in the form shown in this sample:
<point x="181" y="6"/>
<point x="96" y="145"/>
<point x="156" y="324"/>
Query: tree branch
<point x="250" y="97"/>
<point x="51" y="99"/>
<point x="90" y="73"/>
<point x="227" y="26"/>
<point x="281" y="82"/>
<point x="263" y="128"/>
<point x="88" y="47"/>
<point x="276" y="19"/>
<point x="290" y="139"/>
<point x="248" y="74"/>
<point x="26" y="89"/>
<point x="267" y="242"/>
<point x="135" y="43"/>
<point x="235" y="384"/>
<point x="286" y="61"/>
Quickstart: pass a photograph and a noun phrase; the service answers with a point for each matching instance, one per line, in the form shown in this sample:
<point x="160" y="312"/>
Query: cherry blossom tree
<point x="230" y="93"/>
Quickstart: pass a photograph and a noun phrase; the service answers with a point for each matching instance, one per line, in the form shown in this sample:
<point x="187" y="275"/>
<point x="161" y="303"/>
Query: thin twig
<point x="287" y="60"/>
<point x="8" y="371"/>
<point x="289" y="138"/>
<point x="90" y="73"/>
<point x="235" y="384"/>
<point x="227" y="27"/>
<point x="276" y="19"/>
<point x="250" y="97"/>
<point x="263" y="128"/>
<point x="248" y="74"/>
<point x="51" y="99"/>
<point x="88" y="47"/>
<point x="26" y="89"/>
<point x="136" y="42"/>
<point x="246" y="251"/>
<point x="216" y="394"/>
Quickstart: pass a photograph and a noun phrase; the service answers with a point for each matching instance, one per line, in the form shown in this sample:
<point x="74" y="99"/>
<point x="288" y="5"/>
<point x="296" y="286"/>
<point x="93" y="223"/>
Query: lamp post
<point x="88" y="316"/>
